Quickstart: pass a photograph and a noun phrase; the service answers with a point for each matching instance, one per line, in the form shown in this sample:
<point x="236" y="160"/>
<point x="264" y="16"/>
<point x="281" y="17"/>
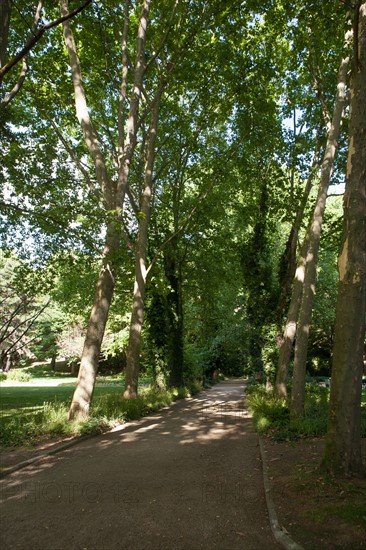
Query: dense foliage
<point x="176" y="144"/>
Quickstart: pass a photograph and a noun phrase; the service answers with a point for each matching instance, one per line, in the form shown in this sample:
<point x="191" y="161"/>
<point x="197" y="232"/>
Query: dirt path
<point x="189" y="477"/>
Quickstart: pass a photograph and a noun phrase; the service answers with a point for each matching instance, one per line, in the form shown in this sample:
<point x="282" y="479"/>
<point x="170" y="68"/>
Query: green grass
<point x="20" y="402"/>
<point x="351" y="514"/>
<point x="28" y="412"/>
<point x="271" y="415"/>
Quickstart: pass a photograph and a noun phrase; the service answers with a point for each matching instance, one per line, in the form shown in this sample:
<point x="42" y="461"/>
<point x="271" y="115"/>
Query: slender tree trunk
<point x="290" y="327"/>
<point x="173" y="274"/>
<point x="53" y="362"/>
<point x="9" y="362"/>
<point x="288" y="261"/>
<point x="298" y="382"/>
<point x="287" y="339"/>
<point x="83" y="394"/>
<point x="343" y="443"/>
<point x="138" y="306"/>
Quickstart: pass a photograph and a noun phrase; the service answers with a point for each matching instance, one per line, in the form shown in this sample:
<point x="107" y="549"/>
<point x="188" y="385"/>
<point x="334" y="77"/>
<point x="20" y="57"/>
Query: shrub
<point x="271" y="414"/>
<point x="18" y="375"/>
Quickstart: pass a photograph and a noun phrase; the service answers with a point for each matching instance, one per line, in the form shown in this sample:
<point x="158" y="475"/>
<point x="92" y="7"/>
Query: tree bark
<point x="291" y="323"/>
<point x="343" y="443"/>
<point x="288" y="261"/>
<point x="298" y="382"/>
<point x="173" y="273"/>
<point x="287" y="339"/>
<point x="83" y="395"/>
<point x="138" y="306"/>
<point x="113" y="197"/>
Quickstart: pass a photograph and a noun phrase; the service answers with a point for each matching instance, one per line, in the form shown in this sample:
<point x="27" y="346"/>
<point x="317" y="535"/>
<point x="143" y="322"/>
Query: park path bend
<point x="186" y="478"/>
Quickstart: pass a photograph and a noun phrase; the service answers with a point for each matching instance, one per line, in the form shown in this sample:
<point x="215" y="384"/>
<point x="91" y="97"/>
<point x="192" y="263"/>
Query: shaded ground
<point x="316" y="512"/>
<point x="189" y="477"/>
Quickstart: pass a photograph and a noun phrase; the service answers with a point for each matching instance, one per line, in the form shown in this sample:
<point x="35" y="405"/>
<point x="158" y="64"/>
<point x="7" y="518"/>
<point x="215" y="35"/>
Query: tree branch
<point x="21" y="79"/>
<point x="37" y="36"/>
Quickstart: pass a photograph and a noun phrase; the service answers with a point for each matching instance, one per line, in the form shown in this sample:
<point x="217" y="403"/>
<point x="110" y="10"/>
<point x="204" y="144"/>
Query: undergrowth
<point x="271" y="415"/>
<point x="107" y="412"/>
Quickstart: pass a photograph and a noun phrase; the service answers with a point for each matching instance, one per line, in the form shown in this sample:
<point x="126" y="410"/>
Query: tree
<point x="308" y="292"/>
<point x="138" y="305"/>
<point x="113" y="192"/>
<point x="343" y="443"/>
<point x="21" y="311"/>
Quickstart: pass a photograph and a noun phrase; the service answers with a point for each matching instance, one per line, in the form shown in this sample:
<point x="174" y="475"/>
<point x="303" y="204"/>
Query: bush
<point x="18" y="375"/>
<point x="271" y="414"/>
<point x="268" y="410"/>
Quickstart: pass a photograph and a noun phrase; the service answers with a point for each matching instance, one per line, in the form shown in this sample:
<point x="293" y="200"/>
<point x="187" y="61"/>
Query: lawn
<point x="39" y="406"/>
<point x="15" y="400"/>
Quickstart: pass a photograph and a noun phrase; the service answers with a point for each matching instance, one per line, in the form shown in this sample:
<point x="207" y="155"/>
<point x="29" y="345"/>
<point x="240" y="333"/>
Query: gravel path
<point x="188" y="477"/>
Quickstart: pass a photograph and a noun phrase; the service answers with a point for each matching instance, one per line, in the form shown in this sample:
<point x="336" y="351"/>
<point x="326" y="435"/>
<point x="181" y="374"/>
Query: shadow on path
<point x="188" y="477"/>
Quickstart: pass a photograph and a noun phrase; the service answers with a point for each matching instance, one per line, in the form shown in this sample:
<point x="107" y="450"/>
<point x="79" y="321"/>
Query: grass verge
<point x="271" y="415"/>
<point x="25" y="422"/>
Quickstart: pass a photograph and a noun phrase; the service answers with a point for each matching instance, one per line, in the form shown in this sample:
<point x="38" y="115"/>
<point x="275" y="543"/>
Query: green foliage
<point x="268" y="411"/>
<point x="227" y="181"/>
<point x="269" y="352"/>
<point x="18" y="375"/>
<point x="108" y="410"/>
<point x="271" y="415"/>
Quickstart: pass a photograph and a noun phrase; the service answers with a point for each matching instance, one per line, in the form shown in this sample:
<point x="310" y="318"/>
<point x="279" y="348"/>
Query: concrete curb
<point x="58" y="448"/>
<point x="278" y="533"/>
<point x="42" y="454"/>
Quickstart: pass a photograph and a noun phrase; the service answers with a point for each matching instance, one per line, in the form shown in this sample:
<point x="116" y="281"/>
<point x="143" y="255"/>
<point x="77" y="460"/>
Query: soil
<point x="313" y="510"/>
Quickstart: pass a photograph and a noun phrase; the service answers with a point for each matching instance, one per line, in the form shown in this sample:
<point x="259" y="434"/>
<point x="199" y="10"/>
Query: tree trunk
<point x="173" y="274"/>
<point x="343" y="443"/>
<point x="113" y="196"/>
<point x="138" y="306"/>
<point x="9" y="362"/>
<point x="297" y="275"/>
<point x="298" y="382"/>
<point x="53" y="363"/>
<point x="288" y="260"/>
<point x="83" y="394"/>
<point x="290" y="328"/>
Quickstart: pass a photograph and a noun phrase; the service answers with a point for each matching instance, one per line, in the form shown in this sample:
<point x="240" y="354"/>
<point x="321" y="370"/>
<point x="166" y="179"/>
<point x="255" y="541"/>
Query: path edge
<point x="278" y="533"/>
<point x="80" y="439"/>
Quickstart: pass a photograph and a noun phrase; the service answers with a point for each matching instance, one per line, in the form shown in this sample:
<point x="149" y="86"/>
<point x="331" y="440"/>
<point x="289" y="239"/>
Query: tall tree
<point x="113" y="191"/>
<point x="138" y="304"/>
<point x="298" y="383"/>
<point x="343" y="443"/>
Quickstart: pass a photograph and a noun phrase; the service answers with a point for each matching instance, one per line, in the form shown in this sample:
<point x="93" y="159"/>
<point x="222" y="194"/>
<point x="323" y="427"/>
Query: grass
<point x="35" y="410"/>
<point x="353" y="514"/>
<point x="271" y="415"/>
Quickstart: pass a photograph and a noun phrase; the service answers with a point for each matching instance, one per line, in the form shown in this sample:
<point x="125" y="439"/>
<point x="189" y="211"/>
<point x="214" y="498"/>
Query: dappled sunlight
<point x="195" y="462"/>
<point x="201" y="420"/>
<point x="196" y="421"/>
